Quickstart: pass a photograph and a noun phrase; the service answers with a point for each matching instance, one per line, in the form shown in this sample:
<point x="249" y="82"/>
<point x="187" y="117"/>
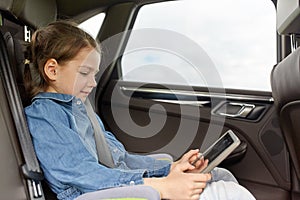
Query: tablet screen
<point x="218" y="148"/>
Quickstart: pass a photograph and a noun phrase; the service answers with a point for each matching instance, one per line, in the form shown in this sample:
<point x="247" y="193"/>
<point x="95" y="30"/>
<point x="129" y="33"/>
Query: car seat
<point x="285" y="82"/>
<point x="14" y="69"/>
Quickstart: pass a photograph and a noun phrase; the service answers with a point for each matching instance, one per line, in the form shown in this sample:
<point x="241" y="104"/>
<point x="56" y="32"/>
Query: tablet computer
<point x="219" y="150"/>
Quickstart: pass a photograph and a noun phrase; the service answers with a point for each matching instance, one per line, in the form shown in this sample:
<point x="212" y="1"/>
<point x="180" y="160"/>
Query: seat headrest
<point x="285" y="80"/>
<point x="35" y="13"/>
<point x="6" y="5"/>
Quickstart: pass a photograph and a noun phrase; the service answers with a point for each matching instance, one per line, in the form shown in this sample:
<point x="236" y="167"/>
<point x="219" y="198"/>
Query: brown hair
<point x="61" y="40"/>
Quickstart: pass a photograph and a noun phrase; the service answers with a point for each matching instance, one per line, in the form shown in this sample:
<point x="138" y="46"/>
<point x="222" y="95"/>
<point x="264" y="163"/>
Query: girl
<point x="65" y="61"/>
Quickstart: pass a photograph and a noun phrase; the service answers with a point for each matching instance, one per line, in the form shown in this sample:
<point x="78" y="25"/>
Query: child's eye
<point x="84" y="73"/>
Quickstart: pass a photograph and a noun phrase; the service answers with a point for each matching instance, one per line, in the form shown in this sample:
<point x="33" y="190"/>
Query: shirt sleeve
<point x="65" y="160"/>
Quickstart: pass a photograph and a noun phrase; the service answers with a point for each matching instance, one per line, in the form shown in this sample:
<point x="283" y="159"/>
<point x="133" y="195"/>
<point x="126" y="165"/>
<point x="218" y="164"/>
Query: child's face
<point x="77" y="77"/>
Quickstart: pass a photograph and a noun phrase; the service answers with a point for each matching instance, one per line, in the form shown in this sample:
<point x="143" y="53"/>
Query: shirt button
<point x="78" y="102"/>
<point x="132" y="183"/>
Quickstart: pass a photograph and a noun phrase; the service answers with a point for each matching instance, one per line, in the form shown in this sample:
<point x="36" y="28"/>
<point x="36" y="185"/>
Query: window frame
<point x="277" y="54"/>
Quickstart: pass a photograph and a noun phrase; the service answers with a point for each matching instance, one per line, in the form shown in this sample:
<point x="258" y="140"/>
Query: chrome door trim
<point x="183" y="102"/>
<point x="199" y="94"/>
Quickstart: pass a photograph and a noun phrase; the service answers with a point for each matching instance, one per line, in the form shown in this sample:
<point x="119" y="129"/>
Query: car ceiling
<point x="64" y="10"/>
<point x="79" y="10"/>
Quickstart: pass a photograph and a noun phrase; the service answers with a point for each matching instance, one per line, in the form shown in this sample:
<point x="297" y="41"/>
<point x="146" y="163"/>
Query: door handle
<point x="232" y="109"/>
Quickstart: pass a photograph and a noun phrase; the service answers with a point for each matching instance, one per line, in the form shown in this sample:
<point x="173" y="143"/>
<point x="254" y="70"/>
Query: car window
<point x="236" y="37"/>
<point x="93" y="24"/>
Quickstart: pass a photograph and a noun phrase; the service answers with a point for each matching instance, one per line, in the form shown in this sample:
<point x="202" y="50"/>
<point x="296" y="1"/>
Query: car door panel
<point x="149" y="117"/>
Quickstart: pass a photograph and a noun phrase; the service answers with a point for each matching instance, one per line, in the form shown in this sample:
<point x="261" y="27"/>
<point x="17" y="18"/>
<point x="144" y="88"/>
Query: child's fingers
<point x="197" y="160"/>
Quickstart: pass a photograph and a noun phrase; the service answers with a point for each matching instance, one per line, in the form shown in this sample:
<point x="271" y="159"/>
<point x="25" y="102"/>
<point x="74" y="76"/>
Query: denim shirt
<point x="63" y="139"/>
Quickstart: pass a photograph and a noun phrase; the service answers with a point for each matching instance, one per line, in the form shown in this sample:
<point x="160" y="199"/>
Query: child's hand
<point x="179" y="184"/>
<point x="196" y="165"/>
<point x="199" y="162"/>
<point x="186" y="159"/>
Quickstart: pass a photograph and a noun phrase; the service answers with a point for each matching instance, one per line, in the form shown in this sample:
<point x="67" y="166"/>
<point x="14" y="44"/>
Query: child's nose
<point x="92" y="81"/>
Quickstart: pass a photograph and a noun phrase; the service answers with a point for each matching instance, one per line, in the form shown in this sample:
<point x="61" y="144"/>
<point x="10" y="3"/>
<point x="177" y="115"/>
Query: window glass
<point x="238" y="38"/>
<point x="93" y="24"/>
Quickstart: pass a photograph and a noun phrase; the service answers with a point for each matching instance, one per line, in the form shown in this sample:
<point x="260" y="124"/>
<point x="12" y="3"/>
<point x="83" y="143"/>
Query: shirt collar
<point x="54" y="96"/>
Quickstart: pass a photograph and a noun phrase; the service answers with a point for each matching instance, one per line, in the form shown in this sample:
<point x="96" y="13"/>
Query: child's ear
<point x="50" y="69"/>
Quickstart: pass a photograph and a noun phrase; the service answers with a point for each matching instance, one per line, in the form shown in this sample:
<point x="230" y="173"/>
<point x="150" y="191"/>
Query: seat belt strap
<point x="103" y="152"/>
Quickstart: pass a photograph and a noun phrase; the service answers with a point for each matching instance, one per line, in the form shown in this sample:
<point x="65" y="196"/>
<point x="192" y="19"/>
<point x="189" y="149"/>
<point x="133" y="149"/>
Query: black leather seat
<point x="285" y="82"/>
<point x="16" y="50"/>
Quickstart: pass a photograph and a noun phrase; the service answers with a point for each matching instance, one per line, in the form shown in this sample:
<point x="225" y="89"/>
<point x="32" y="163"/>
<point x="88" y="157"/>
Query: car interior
<point x="267" y="162"/>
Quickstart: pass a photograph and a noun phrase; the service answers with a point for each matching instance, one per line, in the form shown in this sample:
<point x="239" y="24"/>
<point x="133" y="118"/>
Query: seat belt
<point x="103" y="152"/>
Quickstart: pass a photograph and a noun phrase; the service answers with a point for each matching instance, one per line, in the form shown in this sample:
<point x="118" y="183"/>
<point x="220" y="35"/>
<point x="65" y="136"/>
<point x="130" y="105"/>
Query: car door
<point x="161" y="91"/>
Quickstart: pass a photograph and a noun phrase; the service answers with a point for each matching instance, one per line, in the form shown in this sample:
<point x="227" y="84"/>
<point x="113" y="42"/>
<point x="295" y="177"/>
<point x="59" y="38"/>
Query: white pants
<point x="224" y="186"/>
